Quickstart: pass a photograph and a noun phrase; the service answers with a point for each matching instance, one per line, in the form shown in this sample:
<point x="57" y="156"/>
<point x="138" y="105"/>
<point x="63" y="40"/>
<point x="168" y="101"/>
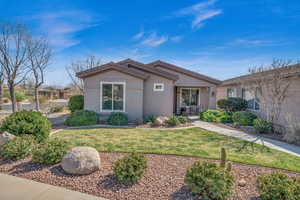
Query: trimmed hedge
<point x="18" y="148"/>
<point x="173" y="121"/>
<point x="76" y="103"/>
<point x="262" y="126"/>
<point x="278" y="186"/>
<point x="117" y="119"/>
<point x="82" y="118"/>
<point x="243" y="118"/>
<point x="130" y="168"/>
<point x="209" y="181"/>
<point x="27" y="122"/>
<point x="216" y="116"/>
<point x="232" y="104"/>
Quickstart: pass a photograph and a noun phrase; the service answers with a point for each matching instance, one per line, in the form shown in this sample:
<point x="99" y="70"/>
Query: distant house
<point x="233" y="88"/>
<point x="139" y="89"/>
<point x="55" y="93"/>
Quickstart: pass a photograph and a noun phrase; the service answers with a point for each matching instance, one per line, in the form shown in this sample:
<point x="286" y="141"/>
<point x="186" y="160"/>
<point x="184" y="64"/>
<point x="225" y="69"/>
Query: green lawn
<point x="188" y="142"/>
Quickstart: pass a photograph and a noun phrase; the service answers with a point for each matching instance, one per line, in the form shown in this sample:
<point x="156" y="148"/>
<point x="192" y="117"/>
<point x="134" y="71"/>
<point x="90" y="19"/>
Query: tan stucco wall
<point x="133" y="93"/>
<point x="291" y="106"/>
<point x="159" y="103"/>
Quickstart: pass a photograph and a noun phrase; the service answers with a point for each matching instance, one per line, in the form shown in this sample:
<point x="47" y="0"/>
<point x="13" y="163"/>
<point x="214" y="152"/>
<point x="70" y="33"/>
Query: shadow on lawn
<point x="110" y="182"/>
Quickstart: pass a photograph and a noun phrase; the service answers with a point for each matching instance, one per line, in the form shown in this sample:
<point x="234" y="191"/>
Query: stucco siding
<point x="133" y="93"/>
<point x="159" y="103"/>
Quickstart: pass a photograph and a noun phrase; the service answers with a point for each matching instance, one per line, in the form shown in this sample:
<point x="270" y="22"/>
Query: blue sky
<point x="219" y="38"/>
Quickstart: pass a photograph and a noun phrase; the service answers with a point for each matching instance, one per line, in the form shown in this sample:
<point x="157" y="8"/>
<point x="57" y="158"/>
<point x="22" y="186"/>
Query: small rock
<point x="5" y="137"/>
<point x="158" y="122"/>
<point x="242" y="183"/>
<point x="81" y="160"/>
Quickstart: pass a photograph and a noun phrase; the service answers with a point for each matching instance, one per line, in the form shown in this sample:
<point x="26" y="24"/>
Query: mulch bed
<point x="164" y="178"/>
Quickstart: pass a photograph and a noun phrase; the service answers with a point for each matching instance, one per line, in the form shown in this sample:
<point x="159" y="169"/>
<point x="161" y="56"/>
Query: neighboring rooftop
<point x="291" y="70"/>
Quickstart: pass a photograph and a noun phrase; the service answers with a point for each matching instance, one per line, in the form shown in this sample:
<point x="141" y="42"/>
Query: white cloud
<point x="61" y="26"/>
<point x="154" y="40"/>
<point x="176" y="38"/>
<point x="201" y="12"/>
<point x="138" y="35"/>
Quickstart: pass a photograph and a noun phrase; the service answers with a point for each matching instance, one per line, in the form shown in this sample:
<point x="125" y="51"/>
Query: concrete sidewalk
<point x="15" y="188"/>
<point x="274" y="144"/>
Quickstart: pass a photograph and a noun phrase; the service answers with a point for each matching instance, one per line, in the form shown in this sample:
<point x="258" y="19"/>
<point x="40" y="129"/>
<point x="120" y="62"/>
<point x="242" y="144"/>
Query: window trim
<point x="124" y="96"/>
<point x="180" y="100"/>
<point x="235" y="91"/>
<point x="255" y="100"/>
<point x="158" y="90"/>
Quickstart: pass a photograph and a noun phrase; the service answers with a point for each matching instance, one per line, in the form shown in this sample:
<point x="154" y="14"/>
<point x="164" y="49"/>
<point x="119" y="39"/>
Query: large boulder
<point x="81" y="160"/>
<point x="159" y="121"/>
<point x="5" y="137"/>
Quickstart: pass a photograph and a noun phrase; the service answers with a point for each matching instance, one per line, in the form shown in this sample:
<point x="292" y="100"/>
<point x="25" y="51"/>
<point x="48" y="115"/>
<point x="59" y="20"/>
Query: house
<point x="235" y="87"/>
<point x="55" y="93"/>
<point x="140" y="90"/>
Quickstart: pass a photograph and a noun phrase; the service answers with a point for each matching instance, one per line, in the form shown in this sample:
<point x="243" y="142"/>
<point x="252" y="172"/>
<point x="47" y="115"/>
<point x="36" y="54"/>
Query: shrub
<point x="225" y="117"/>
<point x="232" y="104"/>
<point x="278" y="186"/>
<point x="27" y="122"/>
<point x="209" y="181"/>
<point x="216" y="116"/>
<point x="50" y="151"/>
<point x="57" y="108"/>
<point x="130" y="168"/>
<point x="117" y="119"/>
<point x="173" y="121"/>
<point x="182" y="119"/>
<point x="262" y="126"/>
<point x="243" y="118"/>
<point x="76" y="103"/>
<point x="18" y="148"/>
<point x="150" y="119"/>
<point x="82" y="118"/>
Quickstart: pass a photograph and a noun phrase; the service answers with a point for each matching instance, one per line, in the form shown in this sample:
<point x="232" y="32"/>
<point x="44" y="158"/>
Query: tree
<point x="270" y="85"/>
<point x="39" y="55"/>
<point x="14" y="56"/>
<point x="1" y="85"/>
<point x="81" y="65"/>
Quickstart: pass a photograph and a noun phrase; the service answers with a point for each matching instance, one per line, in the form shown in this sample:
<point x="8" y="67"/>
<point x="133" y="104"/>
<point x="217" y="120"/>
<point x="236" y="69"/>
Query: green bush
<point x="232" y="104"/>
<point x="216" y="116"/>
<point x="182" y="119"/>
<point x="262" y="126"/>
<point x="209" y="181"/>
<point x="278" y="186"/>
<point x="57" y="108"/>
<point x="130" y="168"/>
<point x="173" y="121"/>
<point x="50" y="151"/>
<point x="117" y="119"/>
<point x="82" y="118"/>
<point x="76" y="103"/>
<point x="27" y="122"/>
<point x="243" y="118"/>
<point x="18" y="148"/>
<point x="150" y="119"/>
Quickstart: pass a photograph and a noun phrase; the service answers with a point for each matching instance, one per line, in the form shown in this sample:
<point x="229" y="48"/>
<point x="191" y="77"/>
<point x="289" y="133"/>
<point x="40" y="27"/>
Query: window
<point x="252" y="98"/>
<point x="158" y="87"/>
<point x="232" y="92"/>
<point x="189" y="97"/>
<point x="112" y="96"/>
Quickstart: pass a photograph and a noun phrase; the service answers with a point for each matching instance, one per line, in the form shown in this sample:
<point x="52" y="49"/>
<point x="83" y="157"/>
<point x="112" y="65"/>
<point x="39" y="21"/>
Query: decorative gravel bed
<point x="164" y="178"/>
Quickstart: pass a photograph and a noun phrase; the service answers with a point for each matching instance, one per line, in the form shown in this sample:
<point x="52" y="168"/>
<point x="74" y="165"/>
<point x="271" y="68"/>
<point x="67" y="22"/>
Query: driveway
<point x="274" y="144"/>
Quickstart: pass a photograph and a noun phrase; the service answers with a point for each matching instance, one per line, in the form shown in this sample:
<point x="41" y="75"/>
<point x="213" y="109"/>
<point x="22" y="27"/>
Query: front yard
<point x="188" y="142"/>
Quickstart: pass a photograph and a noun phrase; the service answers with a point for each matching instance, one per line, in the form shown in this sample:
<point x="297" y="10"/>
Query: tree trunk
<point x="1" y="94"/>
<point x="36" y="98"/>
<point x="12" y="97"/>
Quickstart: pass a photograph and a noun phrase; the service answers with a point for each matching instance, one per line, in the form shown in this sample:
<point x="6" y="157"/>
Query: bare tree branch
<point x="81" y="65"/>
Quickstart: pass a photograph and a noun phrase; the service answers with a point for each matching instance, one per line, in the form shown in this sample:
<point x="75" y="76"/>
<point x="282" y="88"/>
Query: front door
<point x="189" y="100"/>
